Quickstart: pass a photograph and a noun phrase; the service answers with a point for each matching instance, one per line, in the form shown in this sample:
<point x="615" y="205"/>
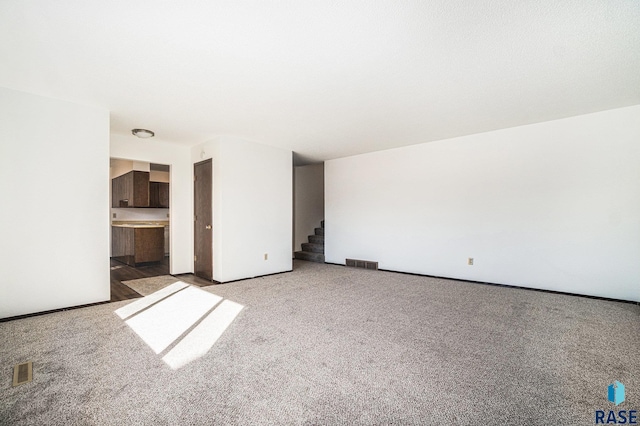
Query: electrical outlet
<point x="470" y="261"/>
<point x="266" y="256"/>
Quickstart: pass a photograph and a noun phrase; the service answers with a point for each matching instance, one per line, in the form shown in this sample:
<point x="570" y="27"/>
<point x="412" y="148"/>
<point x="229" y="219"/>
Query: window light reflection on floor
<point x="143" y="303"/>
<point x="203" y="336"/>
<point x="185" y="317"/>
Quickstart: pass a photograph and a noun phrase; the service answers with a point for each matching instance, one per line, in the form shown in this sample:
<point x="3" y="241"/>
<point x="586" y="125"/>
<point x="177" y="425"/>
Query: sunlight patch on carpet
<point x="180" y="319"/>
<point x="162" y="324"/>
<point x="145" y="302"/>
<point x="203" y="336"/>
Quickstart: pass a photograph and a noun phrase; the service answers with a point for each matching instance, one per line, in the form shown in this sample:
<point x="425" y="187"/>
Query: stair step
<point x="316" y="239"/>
<point x="312" y="257"/>
<point x="319" y="231"/>
<point x="313" y="248"/>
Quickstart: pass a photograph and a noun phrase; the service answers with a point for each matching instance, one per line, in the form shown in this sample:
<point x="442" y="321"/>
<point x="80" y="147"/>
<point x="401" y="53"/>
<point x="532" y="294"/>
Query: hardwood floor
<point x="122" y="272"/>
<point x="192" y="279"/>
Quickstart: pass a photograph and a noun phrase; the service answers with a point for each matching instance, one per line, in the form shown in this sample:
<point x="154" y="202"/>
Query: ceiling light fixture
<point x="143" y="133"/>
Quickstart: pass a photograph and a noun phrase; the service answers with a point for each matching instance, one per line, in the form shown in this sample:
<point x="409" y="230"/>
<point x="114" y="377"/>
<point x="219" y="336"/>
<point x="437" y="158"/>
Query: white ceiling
<point x="325" y="78"/>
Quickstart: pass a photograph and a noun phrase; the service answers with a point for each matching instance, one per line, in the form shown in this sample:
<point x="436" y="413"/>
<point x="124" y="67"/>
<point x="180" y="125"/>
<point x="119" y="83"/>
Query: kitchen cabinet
<point x="166" y="240"/>
<point x="135" y="244"/>
<point x="159" y="194"/>
<point x="130" y="190"/>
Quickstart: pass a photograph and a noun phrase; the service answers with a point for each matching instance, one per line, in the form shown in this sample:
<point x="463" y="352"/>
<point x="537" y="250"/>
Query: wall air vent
<point x="366" y="264"/>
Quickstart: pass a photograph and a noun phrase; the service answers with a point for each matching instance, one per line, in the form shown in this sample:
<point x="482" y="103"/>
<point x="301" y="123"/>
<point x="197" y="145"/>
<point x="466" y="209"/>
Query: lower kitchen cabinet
<point x="134" y="245"/>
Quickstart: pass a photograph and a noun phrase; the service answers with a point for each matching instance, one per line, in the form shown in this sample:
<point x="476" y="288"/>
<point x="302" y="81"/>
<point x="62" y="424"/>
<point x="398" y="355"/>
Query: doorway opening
<point x="139" y="215"/>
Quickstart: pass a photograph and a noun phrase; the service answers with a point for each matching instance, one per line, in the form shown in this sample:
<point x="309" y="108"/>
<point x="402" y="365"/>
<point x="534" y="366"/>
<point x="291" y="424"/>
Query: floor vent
<point x="22" y="373"/>
<point x="366" y="264"/>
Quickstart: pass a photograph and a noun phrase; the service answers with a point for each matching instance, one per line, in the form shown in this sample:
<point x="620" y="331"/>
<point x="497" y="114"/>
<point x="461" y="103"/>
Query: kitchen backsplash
<point x="139" y="214"/>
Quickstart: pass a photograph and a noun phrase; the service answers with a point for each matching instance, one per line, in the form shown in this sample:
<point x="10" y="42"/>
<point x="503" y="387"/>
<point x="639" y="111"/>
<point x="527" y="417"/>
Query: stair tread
<point x="316" y="239"/>
<point x="313" y="247"/>
<point x="313" y="250"/>
<point x="313" y="257"/>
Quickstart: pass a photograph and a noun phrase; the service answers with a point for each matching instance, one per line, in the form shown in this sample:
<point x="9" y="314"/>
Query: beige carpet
<point x="332" y="345"/>
<point x="146" y="286"/>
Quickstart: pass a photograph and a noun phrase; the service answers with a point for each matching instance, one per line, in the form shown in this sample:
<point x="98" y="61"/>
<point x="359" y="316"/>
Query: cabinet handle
<point x="208" y="227"/>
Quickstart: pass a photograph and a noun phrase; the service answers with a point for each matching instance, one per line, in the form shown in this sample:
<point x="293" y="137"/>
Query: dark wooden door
<point x="203" y="232"/>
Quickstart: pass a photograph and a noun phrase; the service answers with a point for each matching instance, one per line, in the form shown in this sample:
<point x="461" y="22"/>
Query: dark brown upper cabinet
<point x="130" y="190"/>
<point x="159" y="194"/>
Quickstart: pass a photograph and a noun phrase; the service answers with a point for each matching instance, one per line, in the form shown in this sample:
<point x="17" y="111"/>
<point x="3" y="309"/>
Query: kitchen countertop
<point x="140" y="224"/>
<point x="129" y="225"/>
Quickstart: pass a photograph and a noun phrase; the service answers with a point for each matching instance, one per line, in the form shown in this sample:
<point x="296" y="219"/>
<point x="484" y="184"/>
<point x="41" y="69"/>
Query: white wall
<point x="160" y="151"/>
<point x="142" y="166"/>
<point x="554" y="205"/>
<point x="157" y="176"/>
<point x="121" y="166"/>
<point x="252" y="207"/>
<point x="118" y="167"/>
<point x="54" y="168"/>
<point x="308" y="202"/>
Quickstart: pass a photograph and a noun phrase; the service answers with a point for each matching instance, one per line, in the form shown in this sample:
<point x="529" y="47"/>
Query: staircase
<point x="313" y="251"/>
